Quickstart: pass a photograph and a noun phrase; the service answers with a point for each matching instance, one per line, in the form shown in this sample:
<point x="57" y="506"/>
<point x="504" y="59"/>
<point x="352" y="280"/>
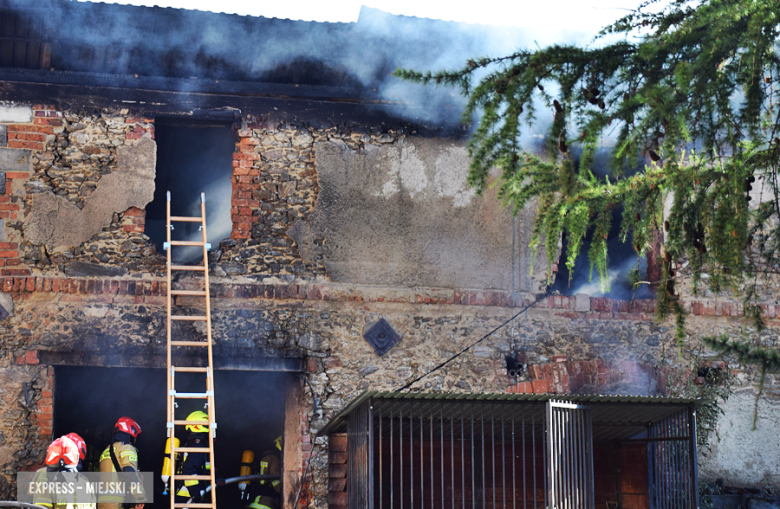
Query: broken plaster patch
<point x="451" y="176"/>
<point x="7" y="303"/>
<point x="15" y="113"/>
<point x="55" y="221"/>
<point x="445" y="178"/>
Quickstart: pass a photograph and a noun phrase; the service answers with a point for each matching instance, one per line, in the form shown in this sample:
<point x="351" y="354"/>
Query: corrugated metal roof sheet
<point x="630" y="413"/>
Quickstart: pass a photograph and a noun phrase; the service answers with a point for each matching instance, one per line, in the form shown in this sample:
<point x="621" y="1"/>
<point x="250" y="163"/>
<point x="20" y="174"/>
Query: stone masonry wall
<point x="569" y="345"/>
<point x="102" y="302"/>
<point x="274" y="185"/>
<point x="67" y="153"/>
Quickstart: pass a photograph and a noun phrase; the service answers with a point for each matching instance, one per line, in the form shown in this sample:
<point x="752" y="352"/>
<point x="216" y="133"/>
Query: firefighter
<point x="194" y="463"/>
<point x="266" y="493"/>
<point x="120" y="456"/>
<point x="81" y="445"/>
<point x="63" y="456"/>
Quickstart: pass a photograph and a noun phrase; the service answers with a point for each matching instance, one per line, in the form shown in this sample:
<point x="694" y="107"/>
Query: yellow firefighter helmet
<point x="197" y="416"/>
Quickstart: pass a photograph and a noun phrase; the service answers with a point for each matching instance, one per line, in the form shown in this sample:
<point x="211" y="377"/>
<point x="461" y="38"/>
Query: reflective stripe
<point x="257" y="505"/>
<point x="263" y="468"/>
<point x="190" y="482"/>
<point x="129" y="455"/>
<point x="276" y="483"/>
<point x="183" y="492"/>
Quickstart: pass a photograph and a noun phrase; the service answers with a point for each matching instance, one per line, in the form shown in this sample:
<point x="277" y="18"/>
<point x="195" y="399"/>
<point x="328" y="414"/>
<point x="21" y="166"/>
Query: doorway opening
<point x="250" y="412"/>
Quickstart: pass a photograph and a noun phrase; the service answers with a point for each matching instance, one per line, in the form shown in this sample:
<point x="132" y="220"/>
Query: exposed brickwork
<point x="79" y="148"/>
<point x="306" y="456"/>
<point x="134" y="220"/>
<point x="44" y="415"/>
<point x="72" y="149"/>
<point x="139" y="127"/>
<point x="598" y="308"/>
<point x="10" y="261"/>
<point x="594" y="376"/>
<point x="33" y="136"/>
<point x="274" y="185"/>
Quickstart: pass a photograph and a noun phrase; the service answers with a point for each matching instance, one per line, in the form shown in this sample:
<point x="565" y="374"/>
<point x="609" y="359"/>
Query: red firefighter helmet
<point x="80" y="444"/>
<point x="63" y="452"/>
<point x="129" y="426"/>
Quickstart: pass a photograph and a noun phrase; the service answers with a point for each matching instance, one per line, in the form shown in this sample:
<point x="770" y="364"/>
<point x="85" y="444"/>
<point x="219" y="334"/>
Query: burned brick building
<point x="336" y="201"/>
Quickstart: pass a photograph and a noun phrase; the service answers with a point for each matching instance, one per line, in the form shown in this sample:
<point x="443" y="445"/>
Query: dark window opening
<point x="249" y="411"/>
<point x="621" y="260"/>
<point x="193" y="157"/>
<point x="621" y="256"/>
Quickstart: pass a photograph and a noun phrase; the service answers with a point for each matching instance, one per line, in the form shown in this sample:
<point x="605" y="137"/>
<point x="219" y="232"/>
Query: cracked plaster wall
<point x="401" y="214"/>
<point x="55" y="221"/>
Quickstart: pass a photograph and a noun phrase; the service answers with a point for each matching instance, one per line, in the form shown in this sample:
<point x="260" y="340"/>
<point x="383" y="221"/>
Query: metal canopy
<point x="614" y="417"/>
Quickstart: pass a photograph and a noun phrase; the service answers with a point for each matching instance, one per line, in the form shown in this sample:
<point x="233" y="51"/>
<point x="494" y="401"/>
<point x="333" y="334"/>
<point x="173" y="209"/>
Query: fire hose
<point x="230" y="480"/>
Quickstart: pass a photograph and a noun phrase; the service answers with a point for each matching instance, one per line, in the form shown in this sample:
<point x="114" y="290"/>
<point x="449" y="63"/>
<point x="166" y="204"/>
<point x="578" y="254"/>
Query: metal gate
<point x="672" y="461"/>
<point x="570" y="450"/>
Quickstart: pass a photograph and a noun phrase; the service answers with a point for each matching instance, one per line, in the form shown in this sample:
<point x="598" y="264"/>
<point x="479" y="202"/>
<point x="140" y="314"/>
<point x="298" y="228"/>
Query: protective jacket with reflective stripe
<point x="52" y="501"/>
<point x="271" y="464"/>
<point x="194" y="463"/>
<point x="127" y="457"/>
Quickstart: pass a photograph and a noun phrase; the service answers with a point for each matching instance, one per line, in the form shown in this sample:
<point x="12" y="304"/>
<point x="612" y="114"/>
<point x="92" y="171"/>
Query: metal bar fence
<point x="672" y="462"/>
<point x="487" y="457"/>
<point x="499" y="454"/>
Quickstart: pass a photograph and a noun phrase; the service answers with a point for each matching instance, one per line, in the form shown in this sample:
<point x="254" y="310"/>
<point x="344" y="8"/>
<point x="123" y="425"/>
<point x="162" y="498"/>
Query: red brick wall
<point x="139" y="126"/>
<point x="134" y="220"/>
<point x="32" y="136"/>
<point x="564" y="377"/>
<point x="243" y="201"/>
<point x="44" y="415"/>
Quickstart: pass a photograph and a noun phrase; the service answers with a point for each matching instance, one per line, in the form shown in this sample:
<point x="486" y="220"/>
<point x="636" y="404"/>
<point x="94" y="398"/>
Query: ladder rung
<point x="189" y="292"/>
<point x="191" y="477"/>
<point x="192" y="395"/>
<point x="199" y="505"/>
<point x="186" y="219"/>
<point x="188" y="267"/>
<point x="187" y="423"/>
<point x="191" y="449"/>
<point x="187" y="318"/>
<point x="190" y="369"/>
<point x="189" y="343"/>
<point x="186" y="243"/>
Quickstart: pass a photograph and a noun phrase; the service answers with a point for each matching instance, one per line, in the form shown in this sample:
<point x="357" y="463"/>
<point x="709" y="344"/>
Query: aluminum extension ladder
<point x="172" y="395"/>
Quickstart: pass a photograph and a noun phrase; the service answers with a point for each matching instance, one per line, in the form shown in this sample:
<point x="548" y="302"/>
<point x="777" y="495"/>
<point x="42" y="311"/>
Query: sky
<point x="580" y="15"/>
